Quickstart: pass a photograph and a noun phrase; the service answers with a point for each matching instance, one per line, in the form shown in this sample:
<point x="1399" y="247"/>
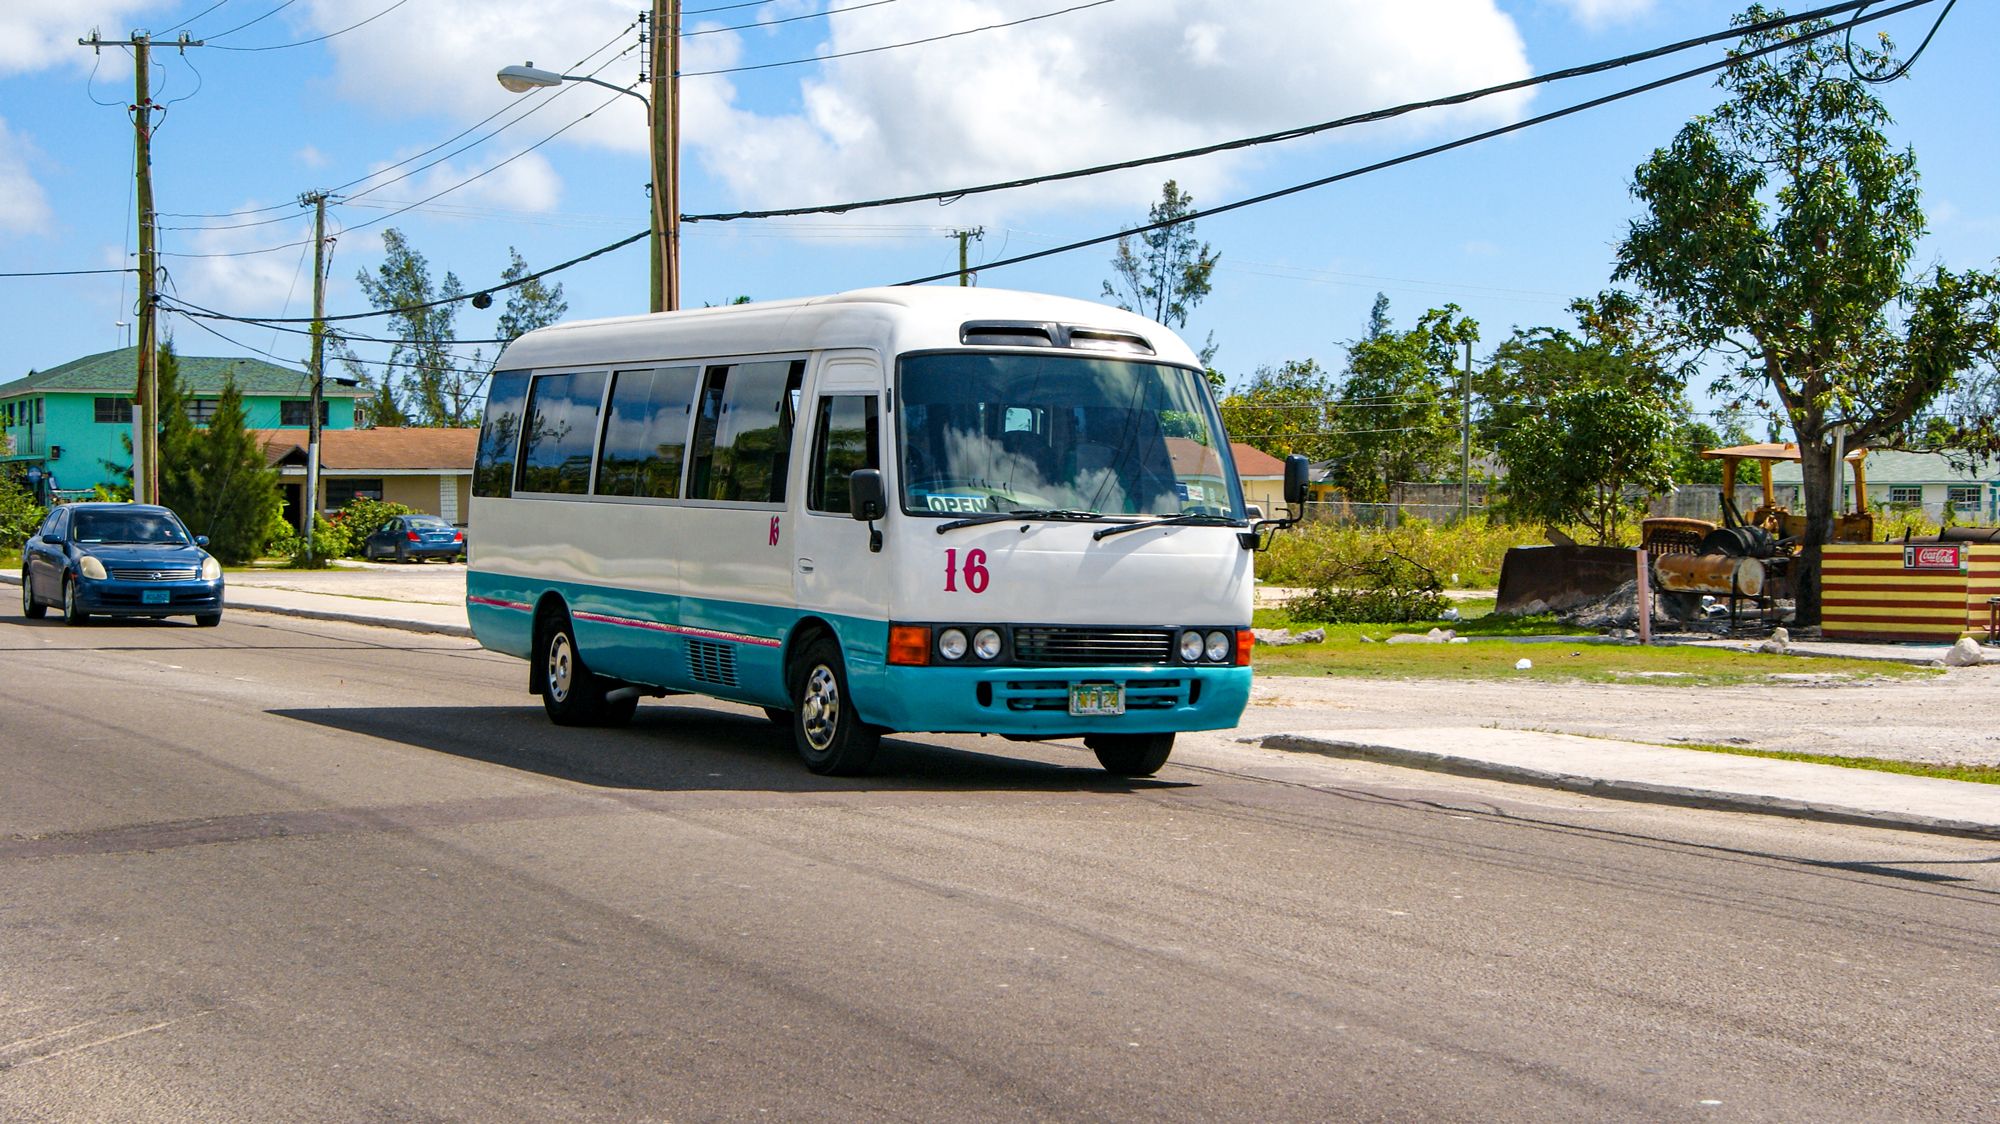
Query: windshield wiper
<point x="1054" y="513"/>
<point x="1190" y="520"/>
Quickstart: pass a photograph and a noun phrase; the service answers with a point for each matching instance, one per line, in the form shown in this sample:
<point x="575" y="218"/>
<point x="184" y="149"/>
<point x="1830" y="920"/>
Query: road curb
<point x="400" y="625"/>
<point x="1633" y="790"/>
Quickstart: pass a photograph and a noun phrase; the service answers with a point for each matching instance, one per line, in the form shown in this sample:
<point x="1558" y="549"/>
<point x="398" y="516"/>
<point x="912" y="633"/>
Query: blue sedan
<point x="119" y="560"/>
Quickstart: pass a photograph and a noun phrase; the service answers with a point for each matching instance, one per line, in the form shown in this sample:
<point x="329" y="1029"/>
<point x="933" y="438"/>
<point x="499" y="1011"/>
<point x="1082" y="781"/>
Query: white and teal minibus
<point x="897" y="509"/>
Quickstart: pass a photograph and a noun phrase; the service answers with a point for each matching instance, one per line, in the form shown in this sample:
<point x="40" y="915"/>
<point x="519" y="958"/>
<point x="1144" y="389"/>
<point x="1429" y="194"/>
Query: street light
<point x="665" y="219"/>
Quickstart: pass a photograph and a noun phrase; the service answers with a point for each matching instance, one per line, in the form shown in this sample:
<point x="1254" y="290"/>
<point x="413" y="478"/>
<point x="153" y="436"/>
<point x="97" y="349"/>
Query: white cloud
<point x="24" y="208"/>
<point x="312" y="157"/>
<point x="529" y="183"/>
<point x="35" y="34"/>
<point x="1089" y="87"/>
<point x="1600" y="13"/>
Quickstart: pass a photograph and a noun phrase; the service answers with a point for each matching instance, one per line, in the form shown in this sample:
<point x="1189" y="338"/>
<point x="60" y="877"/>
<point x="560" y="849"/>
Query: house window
<point x="293" y="411"/>
<point x="1963" y="498"/>
<point x="1900" y="496"/>
<point x="345" y="490"/>
<point x="201" y="411"/>
<point x="112" y="410"/>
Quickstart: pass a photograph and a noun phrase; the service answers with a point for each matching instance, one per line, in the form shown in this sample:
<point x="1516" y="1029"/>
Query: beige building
<point x="427" y="470"/>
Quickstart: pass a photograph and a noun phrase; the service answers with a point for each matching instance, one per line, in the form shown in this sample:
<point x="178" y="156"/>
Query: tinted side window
<point x="743" y="432"/>
<point x="646" y="432"/>
<point x="844" y="439"/>
<point x="560" y="428"/>
<point x="500" y="434"/>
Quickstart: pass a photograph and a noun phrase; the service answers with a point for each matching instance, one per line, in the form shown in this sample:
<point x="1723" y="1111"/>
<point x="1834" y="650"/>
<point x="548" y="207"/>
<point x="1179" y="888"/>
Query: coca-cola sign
<point x="1940" y="556"/>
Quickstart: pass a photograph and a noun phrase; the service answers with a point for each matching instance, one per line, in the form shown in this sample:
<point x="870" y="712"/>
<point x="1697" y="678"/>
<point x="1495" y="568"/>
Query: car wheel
<point x="30" y="608"/>
<point x="1131" y="755"/>
<point x="72" y="613"/>
<point x="207" y="620"/>
<point x="828" y="733"/>
<point x="571" y="693"/>
<point x="779" y="716"/>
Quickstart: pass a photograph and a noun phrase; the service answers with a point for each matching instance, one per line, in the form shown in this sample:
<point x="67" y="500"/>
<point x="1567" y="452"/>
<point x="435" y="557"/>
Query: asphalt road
<point x="291" y="871"/>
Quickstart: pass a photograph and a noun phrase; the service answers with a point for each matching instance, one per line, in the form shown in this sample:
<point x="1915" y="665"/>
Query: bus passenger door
<point x="835" y="574"/>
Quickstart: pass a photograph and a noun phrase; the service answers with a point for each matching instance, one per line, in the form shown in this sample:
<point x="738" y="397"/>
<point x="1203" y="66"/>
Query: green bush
<point x="1314" y="555"/>
<point x="1387" y="589"/>
<point x="362" y="518"/>
<point x="19" y="513"/>
<point x="330" y="540"/>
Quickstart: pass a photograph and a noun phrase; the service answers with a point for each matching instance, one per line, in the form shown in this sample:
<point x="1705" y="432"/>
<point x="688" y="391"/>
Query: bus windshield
<point x="983" y="433"/>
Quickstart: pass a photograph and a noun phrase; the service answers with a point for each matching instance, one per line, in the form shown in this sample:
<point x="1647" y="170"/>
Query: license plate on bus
<point x="1096" y="698"/>
<point x="155" y="596"/>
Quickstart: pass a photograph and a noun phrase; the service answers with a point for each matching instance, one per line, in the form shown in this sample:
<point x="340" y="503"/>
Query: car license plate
<point x="1097" y="698"/>
<point x="155" y="596"/>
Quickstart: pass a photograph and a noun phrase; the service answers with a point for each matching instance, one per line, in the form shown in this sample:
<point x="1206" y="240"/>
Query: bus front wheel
<point x="571" y="693"/>
<point x="1131" y="755"/>
<point x="828" y="733"/>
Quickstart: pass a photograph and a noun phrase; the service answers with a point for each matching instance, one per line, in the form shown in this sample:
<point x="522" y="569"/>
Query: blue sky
<point x="1509" y="229"/>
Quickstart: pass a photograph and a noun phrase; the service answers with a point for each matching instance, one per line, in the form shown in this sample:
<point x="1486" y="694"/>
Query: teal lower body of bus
<point x="737" y="651"/>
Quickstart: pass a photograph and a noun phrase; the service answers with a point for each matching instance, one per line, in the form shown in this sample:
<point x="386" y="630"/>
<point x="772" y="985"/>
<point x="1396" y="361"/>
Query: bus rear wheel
<point x="828" y="733"/>
<point x="571" y="693"/>
<point x="1131" y="755"/>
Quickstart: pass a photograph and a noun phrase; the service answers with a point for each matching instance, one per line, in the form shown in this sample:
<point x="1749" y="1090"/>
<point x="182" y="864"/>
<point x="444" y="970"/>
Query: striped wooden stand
<point x="1866" y="593"/>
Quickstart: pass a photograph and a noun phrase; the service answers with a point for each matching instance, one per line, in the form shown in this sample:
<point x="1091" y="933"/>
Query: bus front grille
<point x="1092" y="645"/>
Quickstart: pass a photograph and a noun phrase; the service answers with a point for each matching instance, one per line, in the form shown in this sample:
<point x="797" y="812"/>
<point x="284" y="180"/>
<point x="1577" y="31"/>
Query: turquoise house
<point x="71" y="419"/>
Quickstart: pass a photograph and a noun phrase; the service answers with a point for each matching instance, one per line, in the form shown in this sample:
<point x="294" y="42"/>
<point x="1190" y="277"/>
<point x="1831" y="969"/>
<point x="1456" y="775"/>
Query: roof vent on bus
<point x="1010" y="333"/>
<point x="1101" y="339"/>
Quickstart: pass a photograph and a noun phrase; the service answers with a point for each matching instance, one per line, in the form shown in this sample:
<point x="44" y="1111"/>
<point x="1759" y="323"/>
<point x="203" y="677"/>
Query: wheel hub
<point x="561" y="667"/>
<point x="819" y="710"/>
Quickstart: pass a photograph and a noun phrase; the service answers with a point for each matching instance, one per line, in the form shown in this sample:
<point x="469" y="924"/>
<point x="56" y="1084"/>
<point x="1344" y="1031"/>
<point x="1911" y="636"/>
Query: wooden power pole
<point x="964" y="236"/>
<point x="146" y="391"/>
<point x="665" y="64"/>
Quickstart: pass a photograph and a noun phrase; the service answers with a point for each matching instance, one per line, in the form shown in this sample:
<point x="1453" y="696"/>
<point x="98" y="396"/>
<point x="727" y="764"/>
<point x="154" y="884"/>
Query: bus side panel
<point x="737" y="597"/>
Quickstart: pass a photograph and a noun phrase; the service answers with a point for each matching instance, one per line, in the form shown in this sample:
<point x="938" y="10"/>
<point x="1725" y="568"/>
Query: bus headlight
<point x="986" y="642"/>
<point x="1218" y="646"/>
<point x="90" y="567"/>
<point x="951" y="644"/>
<point x="1191" y="646"/>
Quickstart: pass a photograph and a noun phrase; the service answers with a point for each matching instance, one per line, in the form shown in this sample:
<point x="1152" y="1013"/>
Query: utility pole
<point x="317" y="201"/>
<point x="145" y="423"/>
<point x="1465" y="438"/>
<point x="978" y="232"/>
<point x="664" y="60"/>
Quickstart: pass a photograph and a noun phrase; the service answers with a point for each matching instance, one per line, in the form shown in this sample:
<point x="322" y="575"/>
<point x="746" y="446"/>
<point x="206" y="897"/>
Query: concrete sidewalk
<point x="1667" y="775"/>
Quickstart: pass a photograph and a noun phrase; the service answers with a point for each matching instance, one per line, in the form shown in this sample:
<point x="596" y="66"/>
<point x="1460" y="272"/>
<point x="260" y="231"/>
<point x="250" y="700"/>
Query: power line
<point x="1847" y="50"/>
<point x="1370" y="117"/>
<point x="776" y="22"/>
<point x="892" y="46"/>
<point x="317" y="38"/>
<point x="1448" y="146"/>
<point x="67" y="272"/>
<point x="258" y="20"/>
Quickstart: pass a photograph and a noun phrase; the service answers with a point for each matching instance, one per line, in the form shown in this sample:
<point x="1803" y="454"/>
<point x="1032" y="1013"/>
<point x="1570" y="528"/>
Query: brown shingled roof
<point x="1252" y="461"/>
<point x="375" y="450"/>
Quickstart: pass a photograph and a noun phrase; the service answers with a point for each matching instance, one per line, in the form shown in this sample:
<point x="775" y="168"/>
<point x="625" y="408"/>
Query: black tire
<point x="30" y="608"/>
<point x="207" y="620"/>
<point x="72" y="615"/>
<point x="1131" y="755"/>
<point x="779" y="716"/>
<point x="827" y="732"/>
<point x="571" y="693"/>
<point x="403" y="555"/>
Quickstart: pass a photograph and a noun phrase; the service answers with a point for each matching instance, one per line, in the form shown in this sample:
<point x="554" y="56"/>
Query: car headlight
<point x="1218" y="646"/>
<point x="951" y="644"/>
<point x="211" y="570"/>
<point x="90" y="568"/>
<point x="1190" y="646"/>
<point x="986" y="643"/>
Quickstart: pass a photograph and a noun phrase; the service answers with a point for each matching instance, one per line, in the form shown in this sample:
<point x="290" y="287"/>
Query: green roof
<point x="113" y="372"/>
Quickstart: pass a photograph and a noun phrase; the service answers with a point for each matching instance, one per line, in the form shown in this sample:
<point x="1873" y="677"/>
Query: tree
<point x="1168" y="273"/>
<point x="1578" y="458"/>
<point x="426" y="382"/>
<point x="1780" y="230"/>
<point x="1284" y="410"/>
<point x="1397" y="417"/>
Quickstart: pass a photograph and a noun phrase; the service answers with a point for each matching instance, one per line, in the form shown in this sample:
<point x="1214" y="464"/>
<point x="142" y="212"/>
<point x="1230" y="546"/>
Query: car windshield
<point x="997" y="433"/>
<point x="127" y="526"/>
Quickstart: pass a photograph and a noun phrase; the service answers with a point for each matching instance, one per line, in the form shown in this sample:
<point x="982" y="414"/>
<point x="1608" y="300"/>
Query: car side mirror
<point x="864" y="489"/>
<point x="1298" y="474"/>
<point x="201" y="540"/>
<point x="53" y="539"/>
<point x="868" y="502"/>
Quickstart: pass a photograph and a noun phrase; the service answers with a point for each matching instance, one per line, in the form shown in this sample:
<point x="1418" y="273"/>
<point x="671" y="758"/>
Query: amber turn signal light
<point x="909" y="645"/>
<point x="1245" y="639"/>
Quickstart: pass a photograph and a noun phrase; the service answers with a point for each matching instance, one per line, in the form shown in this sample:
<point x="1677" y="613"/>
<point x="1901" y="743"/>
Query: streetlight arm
<point x="609" y="86"/>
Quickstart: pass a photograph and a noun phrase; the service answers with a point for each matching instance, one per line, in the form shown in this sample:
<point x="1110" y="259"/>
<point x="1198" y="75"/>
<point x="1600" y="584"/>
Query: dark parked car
<point x="119" y="560"/>
<point x="413" y="538"/>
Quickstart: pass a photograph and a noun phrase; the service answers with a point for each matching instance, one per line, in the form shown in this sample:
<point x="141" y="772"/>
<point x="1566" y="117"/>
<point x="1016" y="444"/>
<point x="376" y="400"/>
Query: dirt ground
<point x="1952" y="717"/>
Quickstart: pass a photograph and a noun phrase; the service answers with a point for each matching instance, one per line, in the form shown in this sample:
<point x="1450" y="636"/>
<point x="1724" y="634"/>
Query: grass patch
<point x="1978" y="774"/>
<point x="1483" y="624"/>
<point x="1492" y="656"/>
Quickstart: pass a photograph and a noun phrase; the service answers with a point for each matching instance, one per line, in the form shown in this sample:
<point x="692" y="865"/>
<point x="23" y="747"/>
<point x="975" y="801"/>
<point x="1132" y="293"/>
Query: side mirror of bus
<point x="868" y="501"/>
<point x="1298" y="474"/>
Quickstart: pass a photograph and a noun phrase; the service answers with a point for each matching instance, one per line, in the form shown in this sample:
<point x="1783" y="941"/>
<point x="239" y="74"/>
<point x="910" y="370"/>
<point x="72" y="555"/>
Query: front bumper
<point x="1034" y="701"/>
<point x="114" y="598"/>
